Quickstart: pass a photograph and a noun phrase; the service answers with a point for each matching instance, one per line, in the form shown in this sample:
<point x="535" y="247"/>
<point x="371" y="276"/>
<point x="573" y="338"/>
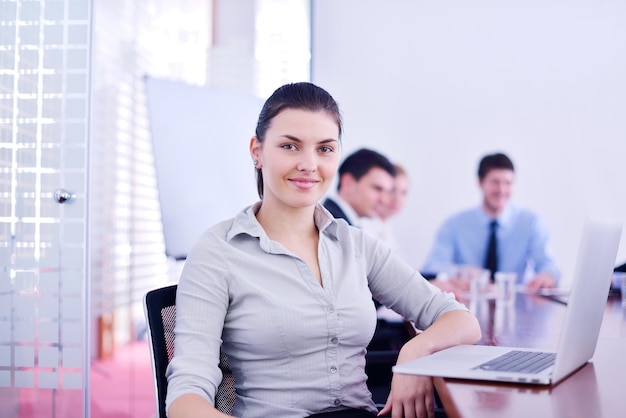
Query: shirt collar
<point x="503" y="219"/>
<point x="246" y="223"/>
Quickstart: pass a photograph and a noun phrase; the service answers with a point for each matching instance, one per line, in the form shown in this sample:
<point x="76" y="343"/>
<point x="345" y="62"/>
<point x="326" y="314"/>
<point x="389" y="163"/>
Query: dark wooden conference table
<point x="596" y="390"/>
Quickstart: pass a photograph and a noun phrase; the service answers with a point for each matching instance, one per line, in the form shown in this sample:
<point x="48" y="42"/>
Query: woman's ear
<point x="255" y="151"/>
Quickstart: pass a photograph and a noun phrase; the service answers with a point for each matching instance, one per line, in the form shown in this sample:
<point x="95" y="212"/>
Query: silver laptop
<point x="579" y="334"/>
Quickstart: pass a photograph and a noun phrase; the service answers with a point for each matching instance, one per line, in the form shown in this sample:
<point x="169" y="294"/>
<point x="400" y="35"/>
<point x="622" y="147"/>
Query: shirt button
<point x="333" y="369"/>
<point x="331" y="309"/>
<point x="334" y="340"/>
<point x="337" y="402"/>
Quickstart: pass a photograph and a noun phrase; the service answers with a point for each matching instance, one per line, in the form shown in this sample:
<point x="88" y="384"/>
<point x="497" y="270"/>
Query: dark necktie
<point x="491" y="259"/>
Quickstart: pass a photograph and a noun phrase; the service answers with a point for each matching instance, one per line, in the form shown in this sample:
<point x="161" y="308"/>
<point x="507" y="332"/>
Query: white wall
<point x="435" y="85"/>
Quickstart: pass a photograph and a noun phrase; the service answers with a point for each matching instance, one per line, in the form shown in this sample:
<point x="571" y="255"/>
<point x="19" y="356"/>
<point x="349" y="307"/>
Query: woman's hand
<point x="191" y="405"/>
<point x="410" y="397"/>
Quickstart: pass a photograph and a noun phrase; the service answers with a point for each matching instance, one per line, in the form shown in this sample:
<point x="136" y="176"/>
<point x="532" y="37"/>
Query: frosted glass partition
<point x="44" y="84"/>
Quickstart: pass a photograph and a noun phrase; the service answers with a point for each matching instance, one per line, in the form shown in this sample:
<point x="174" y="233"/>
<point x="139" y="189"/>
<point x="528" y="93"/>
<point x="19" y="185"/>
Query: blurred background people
<point x="365" y="182"/>
<point x="381" y="226"/>
<point x="496" y="235"/>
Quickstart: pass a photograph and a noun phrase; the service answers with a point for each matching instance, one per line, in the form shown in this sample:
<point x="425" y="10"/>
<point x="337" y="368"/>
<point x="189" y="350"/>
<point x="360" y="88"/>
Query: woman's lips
<point x="304" y="183"/>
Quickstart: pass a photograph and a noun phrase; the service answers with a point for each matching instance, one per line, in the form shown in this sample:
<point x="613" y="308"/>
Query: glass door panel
<point x="43" y="149"/>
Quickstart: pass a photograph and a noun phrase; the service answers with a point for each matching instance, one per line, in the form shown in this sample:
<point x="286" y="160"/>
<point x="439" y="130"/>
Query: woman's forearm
<point x="451" y="328"/>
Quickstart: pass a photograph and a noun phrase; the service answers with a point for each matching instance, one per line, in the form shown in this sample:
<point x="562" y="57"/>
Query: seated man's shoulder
<point x="463" y="217"/>
<point x="525" y="215"/>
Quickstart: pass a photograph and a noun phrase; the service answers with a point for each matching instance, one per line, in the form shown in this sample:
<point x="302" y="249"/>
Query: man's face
<point x="497" y="186"/>
<point x="398" y="196"/>
<point x="370" y="194"/>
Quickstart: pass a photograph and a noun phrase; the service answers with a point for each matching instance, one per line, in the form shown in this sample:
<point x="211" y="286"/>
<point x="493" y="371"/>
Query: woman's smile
<point x="304" y="183"/>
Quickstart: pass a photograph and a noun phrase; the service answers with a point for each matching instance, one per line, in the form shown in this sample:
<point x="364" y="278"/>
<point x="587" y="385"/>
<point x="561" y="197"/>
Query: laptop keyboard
<point x="520" y="362"/>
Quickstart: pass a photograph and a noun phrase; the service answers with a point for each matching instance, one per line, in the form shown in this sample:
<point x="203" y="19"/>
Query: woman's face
<point x="299" y="157"/>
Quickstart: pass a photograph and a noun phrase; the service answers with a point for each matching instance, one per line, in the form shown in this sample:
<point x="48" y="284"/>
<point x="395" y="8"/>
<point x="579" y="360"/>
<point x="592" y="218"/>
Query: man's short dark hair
<point x="360" y="162"/>
<point x="494" y="161"/>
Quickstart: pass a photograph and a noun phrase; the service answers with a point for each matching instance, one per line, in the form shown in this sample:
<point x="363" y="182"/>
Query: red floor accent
<point x="121" y="387"/>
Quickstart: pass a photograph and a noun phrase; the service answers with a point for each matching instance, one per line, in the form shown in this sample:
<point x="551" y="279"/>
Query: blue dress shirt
<point x="522" y="243"/>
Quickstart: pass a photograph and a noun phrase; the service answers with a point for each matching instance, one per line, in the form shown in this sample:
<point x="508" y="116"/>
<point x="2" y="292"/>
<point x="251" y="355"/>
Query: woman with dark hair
<point x="285" y="291"/>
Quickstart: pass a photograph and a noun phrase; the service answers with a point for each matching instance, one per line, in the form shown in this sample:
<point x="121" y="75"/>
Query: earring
<point x="255" y="162"/>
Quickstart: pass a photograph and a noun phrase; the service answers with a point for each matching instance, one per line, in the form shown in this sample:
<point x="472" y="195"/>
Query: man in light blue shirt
<point x="521" y="235"/>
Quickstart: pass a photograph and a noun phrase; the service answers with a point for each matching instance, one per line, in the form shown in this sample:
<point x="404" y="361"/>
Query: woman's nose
<point x="307" y="162"/>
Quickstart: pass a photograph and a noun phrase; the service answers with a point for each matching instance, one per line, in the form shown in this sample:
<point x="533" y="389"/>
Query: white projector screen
<point x="204" y="172"/>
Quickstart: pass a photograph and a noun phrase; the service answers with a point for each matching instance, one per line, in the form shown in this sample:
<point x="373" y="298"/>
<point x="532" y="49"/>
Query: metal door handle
<point x="63" y="196"/>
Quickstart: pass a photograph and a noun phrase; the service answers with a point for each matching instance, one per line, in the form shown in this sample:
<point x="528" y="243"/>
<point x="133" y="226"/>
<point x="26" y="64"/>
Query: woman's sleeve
<point x="201" y="305"/>
<point x="400" y="287"/>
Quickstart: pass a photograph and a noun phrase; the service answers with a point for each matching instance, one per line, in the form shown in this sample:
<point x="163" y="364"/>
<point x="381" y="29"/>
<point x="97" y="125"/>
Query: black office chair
<point x="381" y="356"/>
<point x="160" y="311"/>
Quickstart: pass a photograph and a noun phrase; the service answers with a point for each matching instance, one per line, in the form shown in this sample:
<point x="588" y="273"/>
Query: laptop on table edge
<point x="579" y="333"/>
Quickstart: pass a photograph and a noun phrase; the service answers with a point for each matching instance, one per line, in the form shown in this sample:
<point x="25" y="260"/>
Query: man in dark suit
<point x="365" y="183"/>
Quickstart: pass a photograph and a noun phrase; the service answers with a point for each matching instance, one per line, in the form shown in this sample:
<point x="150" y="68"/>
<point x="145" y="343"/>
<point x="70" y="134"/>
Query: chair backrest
<point x="382" y="354"/>
<point x="160" y="311"/>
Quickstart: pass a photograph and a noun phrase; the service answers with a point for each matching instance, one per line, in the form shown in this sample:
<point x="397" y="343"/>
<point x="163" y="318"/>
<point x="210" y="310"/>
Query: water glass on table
<point x="479" y="283"/>
<point x="505" y="286"/>
<point x="474" y="280"/>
